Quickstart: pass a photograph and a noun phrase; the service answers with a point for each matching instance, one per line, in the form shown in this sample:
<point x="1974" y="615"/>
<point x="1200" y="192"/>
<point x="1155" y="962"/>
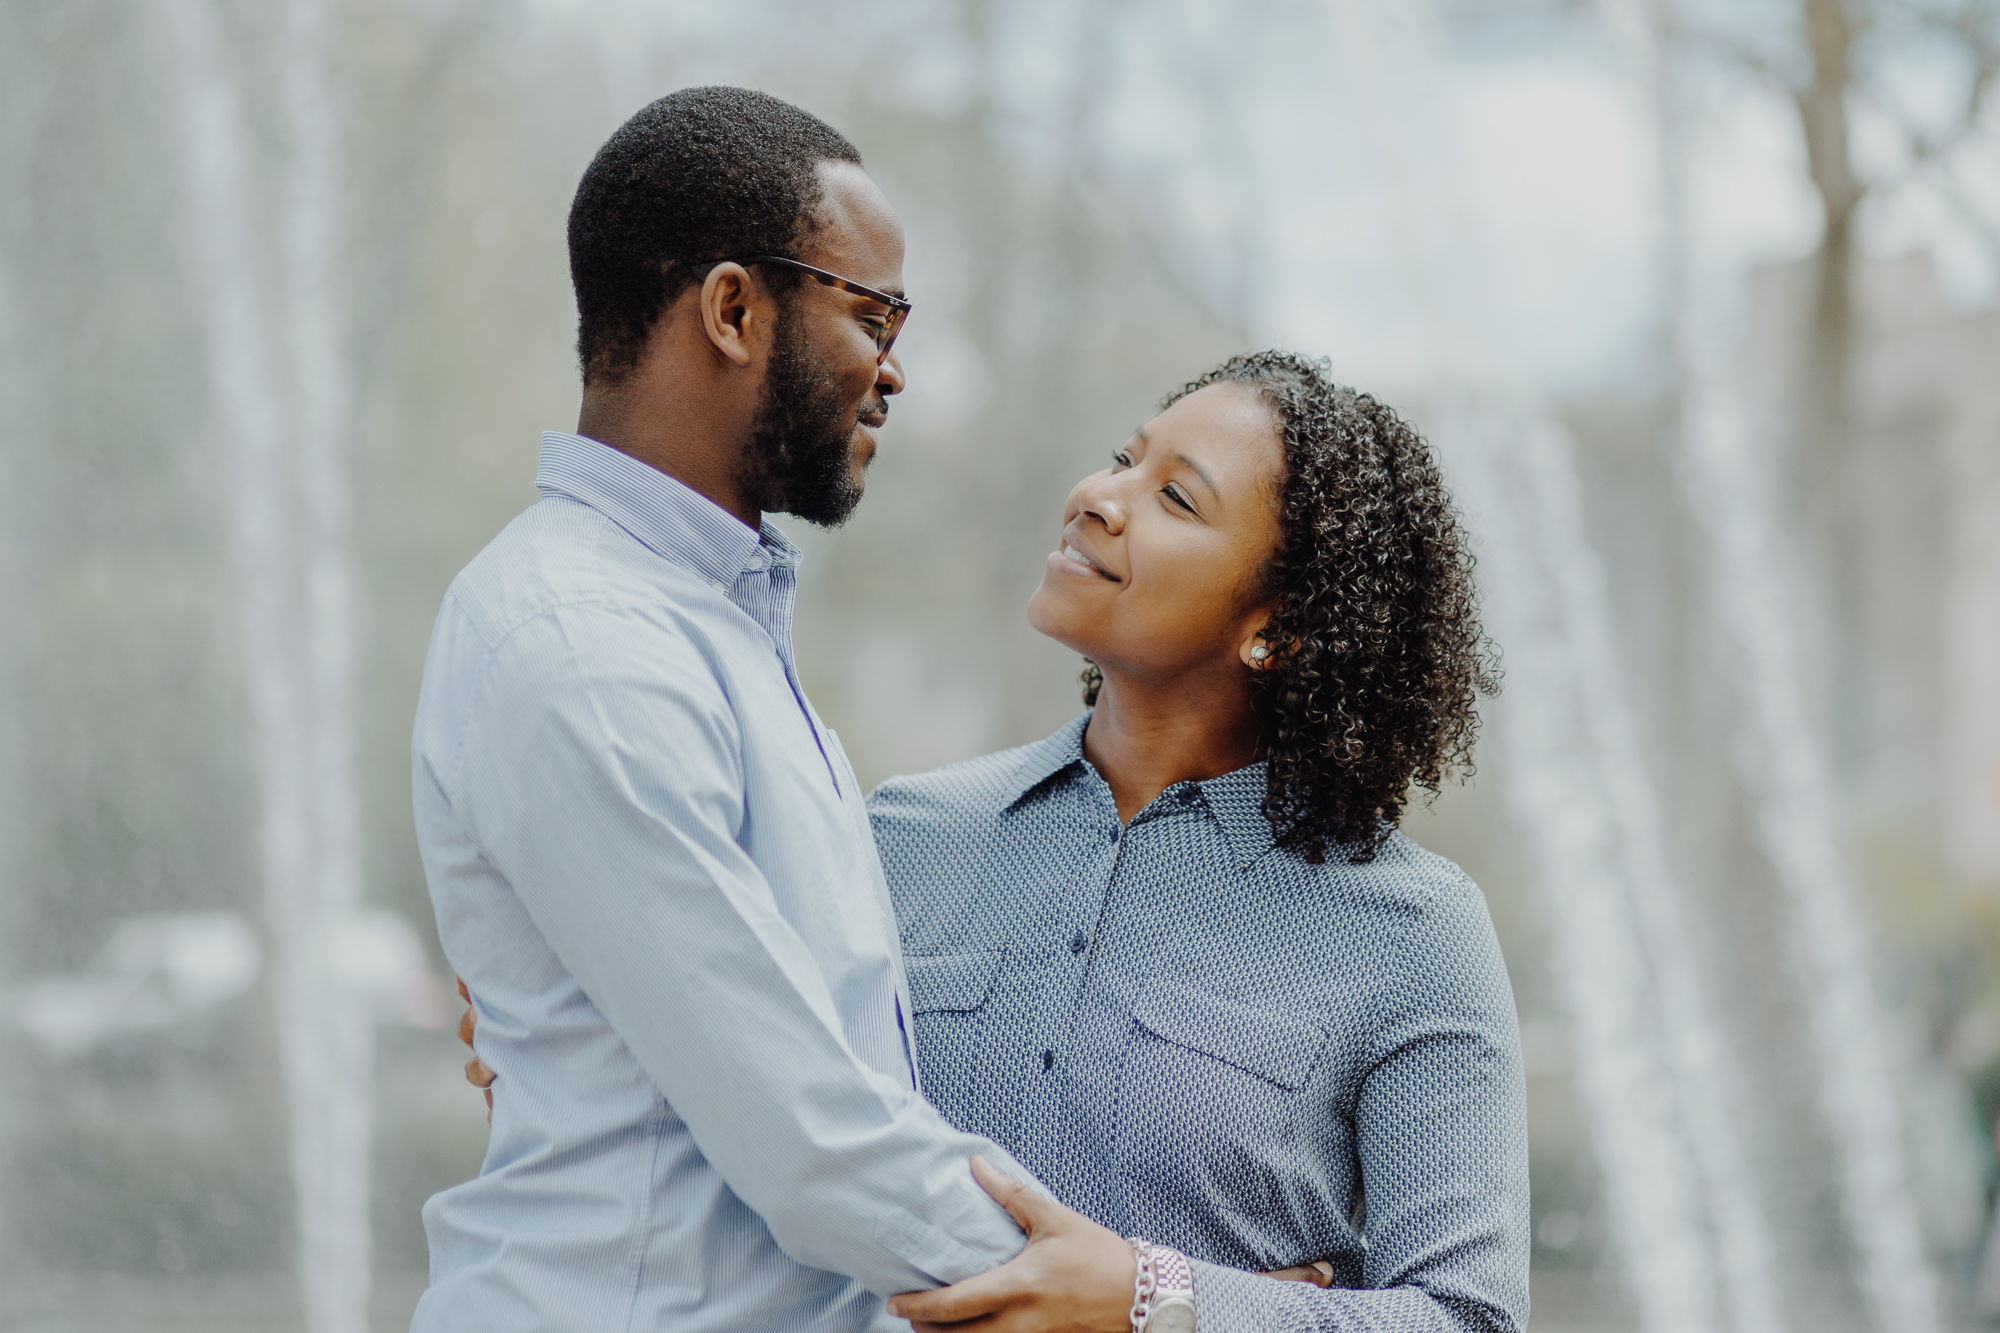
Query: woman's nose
<point x="1102" y="498"/>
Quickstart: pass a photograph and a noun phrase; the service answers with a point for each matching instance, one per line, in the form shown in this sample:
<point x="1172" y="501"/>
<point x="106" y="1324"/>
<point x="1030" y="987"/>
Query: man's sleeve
<point x="609" y="760"/>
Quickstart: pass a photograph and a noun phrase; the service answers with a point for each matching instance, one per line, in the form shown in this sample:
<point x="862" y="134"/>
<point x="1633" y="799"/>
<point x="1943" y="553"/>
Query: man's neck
<point x="1145" y="737"/>
<point x="699" y="444"/>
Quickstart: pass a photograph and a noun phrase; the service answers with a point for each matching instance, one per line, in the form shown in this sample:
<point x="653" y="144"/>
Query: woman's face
<point x="1157" y="571"/>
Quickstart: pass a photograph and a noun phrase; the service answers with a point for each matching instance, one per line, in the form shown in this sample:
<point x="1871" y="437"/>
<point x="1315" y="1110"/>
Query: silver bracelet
<point x="1162" y="1289"/>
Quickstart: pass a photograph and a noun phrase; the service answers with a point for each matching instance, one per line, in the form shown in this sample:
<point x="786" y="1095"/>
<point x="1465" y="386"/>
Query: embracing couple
<point x="1156" y="1023"/>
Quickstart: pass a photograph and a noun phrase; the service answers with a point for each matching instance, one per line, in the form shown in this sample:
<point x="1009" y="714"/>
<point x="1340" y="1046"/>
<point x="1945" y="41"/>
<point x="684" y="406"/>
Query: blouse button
<point x="1078" y="942"/>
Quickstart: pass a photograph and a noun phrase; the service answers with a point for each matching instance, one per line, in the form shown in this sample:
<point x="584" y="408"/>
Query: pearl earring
<point x="1259" y="653"/>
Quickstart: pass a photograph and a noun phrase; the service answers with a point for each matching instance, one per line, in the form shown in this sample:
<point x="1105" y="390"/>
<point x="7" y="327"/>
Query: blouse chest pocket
<point x="1262" y="1041"/>
<point x="1208" y="1099"/>
<point x="952" y="1024"/>
<point x="951" y="982"/>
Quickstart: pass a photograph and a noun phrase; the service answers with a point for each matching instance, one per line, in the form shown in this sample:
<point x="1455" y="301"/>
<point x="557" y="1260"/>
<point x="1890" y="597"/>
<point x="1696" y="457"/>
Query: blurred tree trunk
<point x="1823" y="416"/>
<point x="1830" y="32"/>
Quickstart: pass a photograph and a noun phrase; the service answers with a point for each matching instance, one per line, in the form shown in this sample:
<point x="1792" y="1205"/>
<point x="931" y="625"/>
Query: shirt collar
<point x="1235" y="799"/>
<point x="1044" y="759"/>
<point x="670" y="518"/>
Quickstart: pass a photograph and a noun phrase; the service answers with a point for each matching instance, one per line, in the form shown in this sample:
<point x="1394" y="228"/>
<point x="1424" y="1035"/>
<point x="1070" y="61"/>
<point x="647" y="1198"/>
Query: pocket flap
<point x="952" y="981"/>
<point x="1253" y="1039"/>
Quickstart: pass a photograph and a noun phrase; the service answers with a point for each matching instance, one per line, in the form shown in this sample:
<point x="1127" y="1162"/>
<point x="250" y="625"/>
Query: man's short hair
<point x="701" y="174"/>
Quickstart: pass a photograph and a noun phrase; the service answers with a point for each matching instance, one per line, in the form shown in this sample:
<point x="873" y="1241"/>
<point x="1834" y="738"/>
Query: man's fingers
<point x="476" y="1072"/>
<point x="982" y="1295"/>
<point x="1319" y="1274"/>
<point x="1029" y="1210"/>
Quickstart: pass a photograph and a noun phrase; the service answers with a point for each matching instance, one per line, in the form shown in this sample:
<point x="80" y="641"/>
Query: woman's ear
<point x="1254" y="651"/>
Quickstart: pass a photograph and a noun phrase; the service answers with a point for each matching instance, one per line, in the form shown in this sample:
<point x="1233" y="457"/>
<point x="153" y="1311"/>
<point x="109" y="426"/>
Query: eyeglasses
<point x="885" y="332"/>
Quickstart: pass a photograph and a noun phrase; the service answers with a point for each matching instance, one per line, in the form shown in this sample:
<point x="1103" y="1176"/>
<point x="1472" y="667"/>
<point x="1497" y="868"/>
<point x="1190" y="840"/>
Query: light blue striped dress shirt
<point x="652" y="866"/>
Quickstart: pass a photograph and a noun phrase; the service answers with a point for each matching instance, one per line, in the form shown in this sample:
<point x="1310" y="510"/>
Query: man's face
<point x="824" y="396"/>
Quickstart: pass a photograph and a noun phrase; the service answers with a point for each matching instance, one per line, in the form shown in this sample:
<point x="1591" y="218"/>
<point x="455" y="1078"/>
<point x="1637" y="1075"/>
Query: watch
<point x="1162" y="1290"/>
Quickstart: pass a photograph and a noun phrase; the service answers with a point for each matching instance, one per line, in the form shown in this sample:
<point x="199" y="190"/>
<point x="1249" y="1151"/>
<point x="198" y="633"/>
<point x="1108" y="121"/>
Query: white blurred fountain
<point x="1786" y="779"/>
<point x="1651" y="1067"/>
<point x="1724" y="478"/>
<point x="282" y="399"/>
<point x="1690" y="1234"/>
<point x="1702" y="1083"/>
<point x="1650" y="1062"/>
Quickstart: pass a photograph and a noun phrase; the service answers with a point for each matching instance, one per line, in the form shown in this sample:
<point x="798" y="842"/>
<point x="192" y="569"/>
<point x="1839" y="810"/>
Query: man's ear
<point x="733" y="312"/>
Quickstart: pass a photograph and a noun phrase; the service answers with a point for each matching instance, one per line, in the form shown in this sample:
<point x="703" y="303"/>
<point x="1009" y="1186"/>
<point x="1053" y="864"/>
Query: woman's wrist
<point x="1162" y="1289"/>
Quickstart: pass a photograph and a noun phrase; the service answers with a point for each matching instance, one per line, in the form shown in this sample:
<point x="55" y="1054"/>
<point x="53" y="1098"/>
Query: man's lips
<point x="867" y="427"/>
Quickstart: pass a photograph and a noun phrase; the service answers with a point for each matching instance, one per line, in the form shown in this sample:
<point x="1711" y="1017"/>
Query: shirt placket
<point x="764" y="592"/>
<point x="1058" y="1032"/>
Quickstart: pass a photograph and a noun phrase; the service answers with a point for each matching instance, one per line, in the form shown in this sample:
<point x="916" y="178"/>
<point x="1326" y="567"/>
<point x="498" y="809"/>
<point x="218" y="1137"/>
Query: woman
<point x="1176" y="957"/>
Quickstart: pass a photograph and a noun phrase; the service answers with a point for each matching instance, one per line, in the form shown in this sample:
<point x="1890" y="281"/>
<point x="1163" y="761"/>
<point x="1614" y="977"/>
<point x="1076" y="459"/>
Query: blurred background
<point x="1695" y="299"/>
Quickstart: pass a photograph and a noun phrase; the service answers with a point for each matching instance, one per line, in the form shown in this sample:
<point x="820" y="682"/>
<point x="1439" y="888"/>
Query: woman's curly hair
<point x="1379" y="652"/>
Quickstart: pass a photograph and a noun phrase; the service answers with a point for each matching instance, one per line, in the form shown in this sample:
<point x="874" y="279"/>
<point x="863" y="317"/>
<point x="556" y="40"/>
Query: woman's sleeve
<point x="1441" y="1132"/>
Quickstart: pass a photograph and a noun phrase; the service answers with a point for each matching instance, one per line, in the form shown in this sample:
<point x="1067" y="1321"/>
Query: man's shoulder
<point x="556" y="554"/>
<point x="563" y="607"/>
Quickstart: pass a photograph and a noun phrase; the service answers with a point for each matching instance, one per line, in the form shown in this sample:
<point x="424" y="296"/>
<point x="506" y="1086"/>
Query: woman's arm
<point x="1441" y="1131"/>
<point x="1073" y="1276"/>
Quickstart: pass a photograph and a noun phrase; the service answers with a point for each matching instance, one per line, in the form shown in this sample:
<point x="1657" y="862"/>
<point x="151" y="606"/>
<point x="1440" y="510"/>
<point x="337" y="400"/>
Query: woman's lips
<point x="1077" y="562"/>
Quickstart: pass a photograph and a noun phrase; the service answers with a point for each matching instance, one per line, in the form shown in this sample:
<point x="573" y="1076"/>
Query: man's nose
<point x="889" y="374"/>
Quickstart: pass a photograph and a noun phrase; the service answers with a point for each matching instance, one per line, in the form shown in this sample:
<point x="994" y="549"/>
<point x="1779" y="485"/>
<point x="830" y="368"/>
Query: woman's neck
<point x="1146" y="737"/>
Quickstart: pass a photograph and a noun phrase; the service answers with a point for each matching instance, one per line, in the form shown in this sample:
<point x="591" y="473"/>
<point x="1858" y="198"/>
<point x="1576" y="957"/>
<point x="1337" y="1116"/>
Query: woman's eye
<point x="1174" y="493"/>
<point x="1121" y="459"/>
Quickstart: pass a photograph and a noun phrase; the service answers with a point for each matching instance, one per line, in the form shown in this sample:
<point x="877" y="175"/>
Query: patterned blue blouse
<point x="1194" y="1037"/>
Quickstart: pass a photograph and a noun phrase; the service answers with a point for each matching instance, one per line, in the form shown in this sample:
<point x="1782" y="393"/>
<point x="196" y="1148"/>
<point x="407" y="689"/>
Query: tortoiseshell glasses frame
<point x="885" y="333"/>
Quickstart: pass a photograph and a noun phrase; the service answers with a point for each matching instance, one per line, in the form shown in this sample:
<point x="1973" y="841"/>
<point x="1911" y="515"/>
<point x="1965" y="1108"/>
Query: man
<point x="649" y="858"/>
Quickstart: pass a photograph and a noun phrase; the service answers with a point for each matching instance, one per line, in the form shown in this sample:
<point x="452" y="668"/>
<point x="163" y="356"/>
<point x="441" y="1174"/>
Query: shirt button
<point x="720" y="586"/>
<point x="1048" y="1059"/>
<point x="756" y="562"/>
<point x="1078" y="942"/>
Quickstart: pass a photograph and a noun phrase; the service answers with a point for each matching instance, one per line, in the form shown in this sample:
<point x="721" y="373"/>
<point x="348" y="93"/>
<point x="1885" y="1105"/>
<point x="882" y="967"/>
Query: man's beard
<point x="800" y="459"/>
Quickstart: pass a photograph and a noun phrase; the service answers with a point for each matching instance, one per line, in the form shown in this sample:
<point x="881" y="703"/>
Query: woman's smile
<point x="1181" y="524"/>
<point x="1068" y="559"/>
